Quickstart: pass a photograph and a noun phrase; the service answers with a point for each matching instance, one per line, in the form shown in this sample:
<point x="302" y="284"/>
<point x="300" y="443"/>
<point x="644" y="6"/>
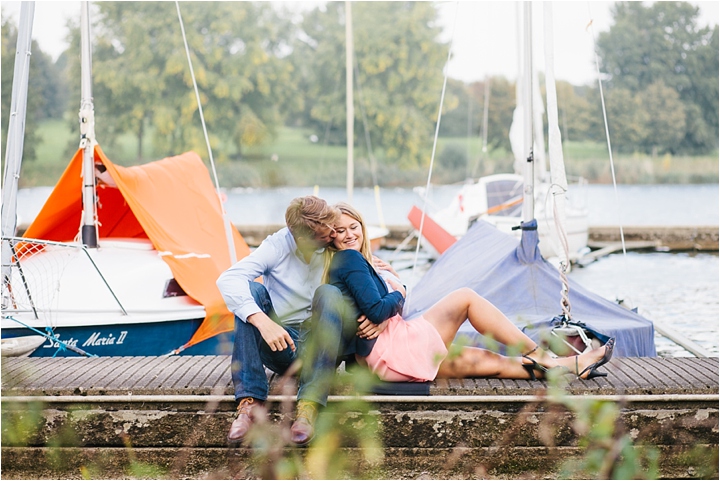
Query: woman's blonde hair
<point x="365" y="249"/>
<point x="306" y="215"/>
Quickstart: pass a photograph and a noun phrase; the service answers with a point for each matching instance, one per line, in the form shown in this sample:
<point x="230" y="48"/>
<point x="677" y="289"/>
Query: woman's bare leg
<point x="448" y="314"/>
<point x="476" y="362"/>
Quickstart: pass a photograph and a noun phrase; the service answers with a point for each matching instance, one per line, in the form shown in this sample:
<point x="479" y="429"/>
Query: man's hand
<point x="383" y="266"/>
<point x="368" y="330"/>
<point x="274" y="334"/>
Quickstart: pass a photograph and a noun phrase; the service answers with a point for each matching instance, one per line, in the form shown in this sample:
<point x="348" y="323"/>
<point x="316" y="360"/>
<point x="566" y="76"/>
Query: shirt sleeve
<point x="234" y="283"/>
<point x="354" y="271"/>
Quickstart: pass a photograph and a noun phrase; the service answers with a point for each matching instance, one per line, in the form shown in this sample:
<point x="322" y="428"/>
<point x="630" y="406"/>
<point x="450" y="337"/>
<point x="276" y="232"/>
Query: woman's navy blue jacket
<point x="361" y="285"/>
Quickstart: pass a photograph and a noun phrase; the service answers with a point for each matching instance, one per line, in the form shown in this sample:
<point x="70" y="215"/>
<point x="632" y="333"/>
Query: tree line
<point x="260" y="66"/>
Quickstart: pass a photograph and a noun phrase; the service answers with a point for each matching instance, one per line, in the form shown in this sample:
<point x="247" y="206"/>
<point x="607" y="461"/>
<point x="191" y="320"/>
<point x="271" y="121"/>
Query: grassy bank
<point x="292" y="159"/>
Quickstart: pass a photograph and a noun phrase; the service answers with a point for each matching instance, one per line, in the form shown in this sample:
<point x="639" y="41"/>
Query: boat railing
<point x="35" y="271"/>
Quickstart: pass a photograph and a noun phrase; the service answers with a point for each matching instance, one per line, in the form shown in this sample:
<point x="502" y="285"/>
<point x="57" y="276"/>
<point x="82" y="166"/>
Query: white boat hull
<point x="118" y="299"/>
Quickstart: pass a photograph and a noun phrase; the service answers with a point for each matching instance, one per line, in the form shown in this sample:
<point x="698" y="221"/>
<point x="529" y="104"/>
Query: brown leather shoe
<point x="303" y="429"/>
<point x="243" y="419"/>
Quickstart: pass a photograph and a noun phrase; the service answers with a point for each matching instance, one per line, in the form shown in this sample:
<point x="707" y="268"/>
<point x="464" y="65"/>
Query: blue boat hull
<point x="144" y="339"/>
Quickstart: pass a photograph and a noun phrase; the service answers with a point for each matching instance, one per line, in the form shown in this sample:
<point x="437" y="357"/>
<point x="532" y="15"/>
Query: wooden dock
<point x="167" y="405"/>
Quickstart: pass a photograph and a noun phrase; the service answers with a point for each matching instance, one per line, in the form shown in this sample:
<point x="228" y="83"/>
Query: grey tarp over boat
<point x="515" y="278"/>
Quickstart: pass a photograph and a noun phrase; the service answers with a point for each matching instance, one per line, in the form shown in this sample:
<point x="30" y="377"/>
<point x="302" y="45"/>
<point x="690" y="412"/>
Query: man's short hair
<point x="306" y="215"/>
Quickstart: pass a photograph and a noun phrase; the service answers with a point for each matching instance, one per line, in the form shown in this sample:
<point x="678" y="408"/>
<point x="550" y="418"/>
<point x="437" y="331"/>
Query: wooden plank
<point x="634" y="372"/>
<point x="126" y="378"/>
<point x="680" y="369"/>
<point x="455" y="384"/>
<point x="495" y="384"/>
<point x="147" y="373"/>
<point x="196" y="374"/>
<point x="657" y="367"/>
<point x="13" y="374"/>
<point x="653" y="371"/>
<point x="640" y="373"/>
<point x="200" y="378"/>
<point x="624" y="381"/>
<point x="78" y="371"/>
<point x="708" y="365"/>
<point x="35" y="366"/>
<point x="441" y="385"/>
<point x="469" y="384"/>
<point x="55" y="372"/>
<point x="221" y="370"/>
<point x="10" y="365"/>
<point x="107" y="371"/>
<point x="169" y="368"/>
<point x="181" y="378"/>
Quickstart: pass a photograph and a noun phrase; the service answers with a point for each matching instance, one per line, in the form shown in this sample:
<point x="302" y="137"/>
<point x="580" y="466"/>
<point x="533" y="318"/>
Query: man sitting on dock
<point x="273" y="320"/>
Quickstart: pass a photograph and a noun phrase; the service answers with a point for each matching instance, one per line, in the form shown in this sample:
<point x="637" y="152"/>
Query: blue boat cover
<point x="514" y="277"/>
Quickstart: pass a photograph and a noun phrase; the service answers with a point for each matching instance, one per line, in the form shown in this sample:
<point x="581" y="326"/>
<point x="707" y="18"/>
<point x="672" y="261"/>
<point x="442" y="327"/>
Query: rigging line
<point x="607" y="135"/>
<point x="612" y="163"/>
<point x="373" y="162"/>
<point x="437" y="130"/>
<point x="226" y="221"/>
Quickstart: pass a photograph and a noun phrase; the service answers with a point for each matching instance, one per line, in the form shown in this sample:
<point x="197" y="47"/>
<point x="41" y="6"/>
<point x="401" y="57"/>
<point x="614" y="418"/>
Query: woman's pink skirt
<point x="407" y="351"/>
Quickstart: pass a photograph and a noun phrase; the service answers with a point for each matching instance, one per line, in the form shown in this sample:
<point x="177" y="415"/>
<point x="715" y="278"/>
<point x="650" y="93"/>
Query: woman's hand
<point x="368" y="330"/>
<point x="396" y="286"/>
<point x="384" y="266"/>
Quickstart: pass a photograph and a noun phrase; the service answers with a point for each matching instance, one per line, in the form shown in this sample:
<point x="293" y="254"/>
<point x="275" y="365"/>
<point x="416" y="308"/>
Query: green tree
<point x="501" y="104"/>
<point x="665" y="118"/>
<point x="142" y="79"/>
<point x="399" y="73"/>
<point x="662" y="42"/>
<point x="574" y="111"/>
<point x="465" y="119"/>
<point x="627" y="120"/>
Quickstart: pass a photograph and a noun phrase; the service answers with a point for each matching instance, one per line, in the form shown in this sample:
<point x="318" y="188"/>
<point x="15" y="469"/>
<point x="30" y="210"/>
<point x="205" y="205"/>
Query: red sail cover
<point x="173" y="203"/>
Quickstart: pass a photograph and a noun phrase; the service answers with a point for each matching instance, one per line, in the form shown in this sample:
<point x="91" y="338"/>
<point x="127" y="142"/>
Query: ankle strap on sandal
<point x="531" y="351"/>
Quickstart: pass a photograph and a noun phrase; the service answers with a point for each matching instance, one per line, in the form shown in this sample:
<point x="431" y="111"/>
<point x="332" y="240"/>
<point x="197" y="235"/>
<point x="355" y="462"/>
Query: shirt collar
<point x="296" y="249"/>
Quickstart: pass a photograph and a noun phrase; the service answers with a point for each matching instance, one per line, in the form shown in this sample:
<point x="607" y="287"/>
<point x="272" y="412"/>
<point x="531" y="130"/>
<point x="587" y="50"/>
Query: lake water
<point x="685" y="205"/>
<point x="680" y="290"/>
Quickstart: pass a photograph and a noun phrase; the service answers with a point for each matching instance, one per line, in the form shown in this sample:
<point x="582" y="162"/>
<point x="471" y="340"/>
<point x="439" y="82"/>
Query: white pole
<point x="16" y="133"/>
<point x="349" y="105"/>
<point x="528" y="170"/>
<point x="87" y="133"/>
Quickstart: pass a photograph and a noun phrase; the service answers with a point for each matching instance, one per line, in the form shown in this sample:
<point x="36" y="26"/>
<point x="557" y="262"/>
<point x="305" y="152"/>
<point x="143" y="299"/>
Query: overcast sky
<point x="483" y="33"/>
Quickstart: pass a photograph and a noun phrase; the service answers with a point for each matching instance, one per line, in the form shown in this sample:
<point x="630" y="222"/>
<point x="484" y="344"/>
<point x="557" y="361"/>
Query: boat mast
<point x="529" y="167"/>
<point x="87" y="133"/>
<point x="349" y="104"/>
<point x="16" y="134"/>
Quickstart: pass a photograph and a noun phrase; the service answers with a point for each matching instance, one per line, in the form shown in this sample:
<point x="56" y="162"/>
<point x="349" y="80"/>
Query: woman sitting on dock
<point x="416" y="350"/>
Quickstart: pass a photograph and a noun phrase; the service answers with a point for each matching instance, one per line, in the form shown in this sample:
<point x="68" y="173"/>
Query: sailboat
<point x="119" y="261"/>
<point x="515" y="277"/>
<point x="498" y="199"/>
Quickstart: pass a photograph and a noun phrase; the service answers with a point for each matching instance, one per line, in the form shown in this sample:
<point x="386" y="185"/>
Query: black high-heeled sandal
<point x="530" y="368"/>
<point x="592" y="368"/>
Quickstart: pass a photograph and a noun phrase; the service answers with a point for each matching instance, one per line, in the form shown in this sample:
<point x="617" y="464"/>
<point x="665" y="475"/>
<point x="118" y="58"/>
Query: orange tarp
<point x="173" y="203"/>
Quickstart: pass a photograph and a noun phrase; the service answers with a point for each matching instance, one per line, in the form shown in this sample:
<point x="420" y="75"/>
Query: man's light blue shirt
<point x="290" y="281"/>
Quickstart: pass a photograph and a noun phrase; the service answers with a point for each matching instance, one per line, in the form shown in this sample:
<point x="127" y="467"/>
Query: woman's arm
<point x="366" y="288"/>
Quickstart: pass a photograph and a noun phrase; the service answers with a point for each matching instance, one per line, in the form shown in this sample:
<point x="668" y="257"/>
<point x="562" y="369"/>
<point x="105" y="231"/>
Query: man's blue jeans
<point x="318" y="340"/>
